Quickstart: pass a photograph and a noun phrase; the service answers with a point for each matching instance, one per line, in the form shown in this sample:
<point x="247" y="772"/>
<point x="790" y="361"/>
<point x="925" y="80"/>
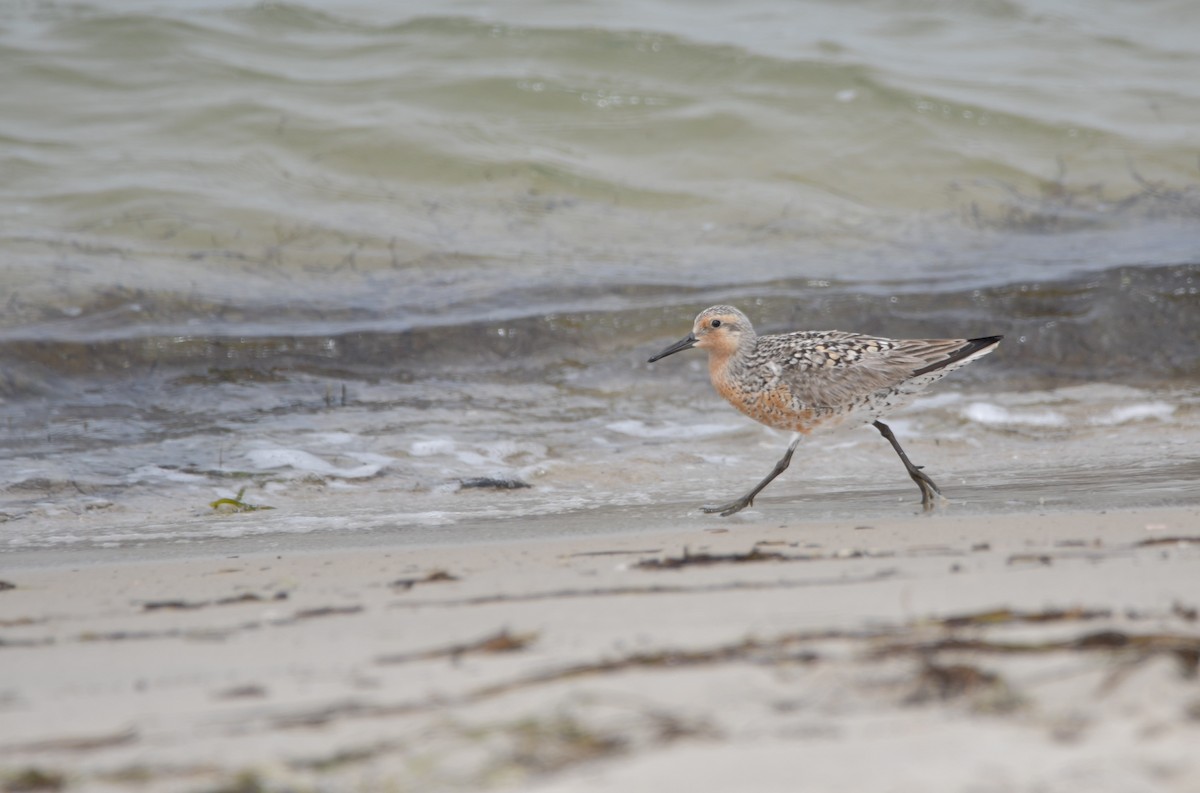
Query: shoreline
<point x="1037" y="646"/>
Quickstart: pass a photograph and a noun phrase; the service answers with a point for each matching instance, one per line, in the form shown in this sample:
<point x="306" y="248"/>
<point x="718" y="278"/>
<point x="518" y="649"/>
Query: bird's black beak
<point x="686" y="343"/>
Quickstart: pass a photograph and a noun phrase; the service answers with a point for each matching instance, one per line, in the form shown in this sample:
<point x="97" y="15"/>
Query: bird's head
<point x="718" y="329"/>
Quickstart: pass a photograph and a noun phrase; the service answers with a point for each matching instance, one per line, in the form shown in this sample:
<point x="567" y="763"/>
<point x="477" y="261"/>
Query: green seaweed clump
<point x="236" y="504"/>
<point x="33" y="779"/>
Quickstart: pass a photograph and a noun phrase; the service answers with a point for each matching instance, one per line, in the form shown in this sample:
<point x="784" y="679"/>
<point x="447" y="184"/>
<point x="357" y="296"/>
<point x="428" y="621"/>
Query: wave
<point x="1125" y="324"/>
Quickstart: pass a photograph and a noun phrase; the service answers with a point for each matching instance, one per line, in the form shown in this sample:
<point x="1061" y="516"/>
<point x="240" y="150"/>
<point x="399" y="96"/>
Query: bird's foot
<point x="725" y="510"/>
<point x="930" y="492"/>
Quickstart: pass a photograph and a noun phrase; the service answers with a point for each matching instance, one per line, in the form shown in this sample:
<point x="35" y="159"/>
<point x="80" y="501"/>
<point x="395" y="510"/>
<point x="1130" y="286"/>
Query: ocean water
<point x="356" y="258"/>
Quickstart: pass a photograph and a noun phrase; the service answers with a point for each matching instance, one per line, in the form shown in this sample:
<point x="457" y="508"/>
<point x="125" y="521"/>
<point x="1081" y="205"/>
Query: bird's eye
<point x="716" y="323"/>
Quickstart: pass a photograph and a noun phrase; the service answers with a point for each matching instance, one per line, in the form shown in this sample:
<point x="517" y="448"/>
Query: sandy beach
<point x="1047" y="651"/>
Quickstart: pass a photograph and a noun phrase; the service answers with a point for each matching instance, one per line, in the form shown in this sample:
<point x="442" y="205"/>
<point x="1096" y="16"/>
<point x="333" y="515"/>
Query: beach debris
<point x="755" y="554"/>
<point x="326" y="611"/>
<point x="248" y="691"/>
<point x="940" y="682"/>
<point x="651" y="589"/>
<point x="1030" y="558"/>
<point x="1139" y="647"/>
<point x="342" y="757"/>
<point x="83" y="743"/>
<point x="492" y="483"/>
<point x="345" y="757"/>
<point x="29" y="780"/>
<point x="617" y="552"/>
<point x="502" y="641"/>
<point x="235" y="505"/>
<point x="186" y="605"/>
<point x="244" y="782"/>
<point x="249" y="597"/>
<point x="689" y="559"/>
<point x="1004" y="616"/>
<point x="212" y="634"/>
<point x="543" y="746"/>
<point x="535" y="744"/>
<point x="946" y="669"/>
<point x="174" y="605"/>
<point x="1167" y="541"/>
<point x="232" y="375"/>
<point x="21" y="622"/>
<point x="26" y="642"/>
<point x="432" y="577"/>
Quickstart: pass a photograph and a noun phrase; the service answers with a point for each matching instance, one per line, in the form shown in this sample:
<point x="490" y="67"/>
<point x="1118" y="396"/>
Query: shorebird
<point x="816" y="380"/>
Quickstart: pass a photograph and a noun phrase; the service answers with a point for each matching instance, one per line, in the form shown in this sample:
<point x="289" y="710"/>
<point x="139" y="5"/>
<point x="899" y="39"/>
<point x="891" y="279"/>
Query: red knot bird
<point x="814" y="380"/>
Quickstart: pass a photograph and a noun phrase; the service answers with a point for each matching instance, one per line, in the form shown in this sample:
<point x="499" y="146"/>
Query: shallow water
<point x="351" y="258"/>
<point x="384" y="471"/>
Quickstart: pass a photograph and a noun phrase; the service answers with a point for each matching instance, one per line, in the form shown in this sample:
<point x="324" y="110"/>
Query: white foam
<point x="995" y="415"/>
<point x="332" y="438"/>
<point x="306" y="462"/>
<point x="1138" y="412"/>
<point x="501" y="450"/>
<point x="481" y="455"/>
<point x="639" y="429"/>
<point x="472" y="458"/>
<point x="144" y="472"/>
<point x="432" y="446"/>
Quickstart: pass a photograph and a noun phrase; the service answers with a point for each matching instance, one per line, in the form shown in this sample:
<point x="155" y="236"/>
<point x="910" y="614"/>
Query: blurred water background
<point x="351" y="256"/>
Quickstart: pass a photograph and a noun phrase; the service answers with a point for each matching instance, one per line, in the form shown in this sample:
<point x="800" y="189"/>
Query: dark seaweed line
<point x="653" y="589"/>
<point x="787" y="648"/>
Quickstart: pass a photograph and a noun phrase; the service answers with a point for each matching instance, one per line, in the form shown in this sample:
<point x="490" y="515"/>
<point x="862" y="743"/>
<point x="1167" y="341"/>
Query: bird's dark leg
<point x="739" y="504"/>
<point x="928" y="488"/>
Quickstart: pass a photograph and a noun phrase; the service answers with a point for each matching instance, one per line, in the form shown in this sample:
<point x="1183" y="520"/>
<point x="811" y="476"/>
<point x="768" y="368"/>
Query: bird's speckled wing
<point x="832" y="368"/>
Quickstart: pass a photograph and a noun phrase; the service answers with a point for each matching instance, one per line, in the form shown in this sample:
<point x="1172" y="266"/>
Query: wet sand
<point x="1036" y="650"/>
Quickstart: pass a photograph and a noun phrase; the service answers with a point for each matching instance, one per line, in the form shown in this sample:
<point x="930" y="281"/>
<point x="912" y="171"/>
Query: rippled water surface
<point x="352" y="257"/>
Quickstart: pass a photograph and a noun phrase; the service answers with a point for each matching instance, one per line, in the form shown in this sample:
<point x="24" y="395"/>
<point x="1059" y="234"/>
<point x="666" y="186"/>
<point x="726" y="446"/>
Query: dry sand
<point x="1031" y="652"/>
